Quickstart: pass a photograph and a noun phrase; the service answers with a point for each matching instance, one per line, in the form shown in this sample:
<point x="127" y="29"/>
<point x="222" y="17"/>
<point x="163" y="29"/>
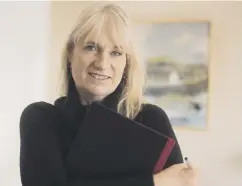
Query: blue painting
<point x="176" y="59"/>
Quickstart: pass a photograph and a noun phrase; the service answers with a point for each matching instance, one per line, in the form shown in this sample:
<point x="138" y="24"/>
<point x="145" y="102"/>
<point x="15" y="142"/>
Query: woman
<point x="100" y="65"/>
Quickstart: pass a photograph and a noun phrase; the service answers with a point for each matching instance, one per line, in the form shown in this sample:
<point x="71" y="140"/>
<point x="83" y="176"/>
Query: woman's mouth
<point x="99" y="76"/>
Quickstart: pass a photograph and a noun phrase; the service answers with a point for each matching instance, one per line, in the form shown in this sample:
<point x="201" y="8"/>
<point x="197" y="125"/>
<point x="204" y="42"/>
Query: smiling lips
<point x="99" y="76"/>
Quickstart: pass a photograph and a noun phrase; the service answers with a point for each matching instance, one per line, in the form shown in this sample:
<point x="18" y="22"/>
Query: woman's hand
<point x="176" y="175"/>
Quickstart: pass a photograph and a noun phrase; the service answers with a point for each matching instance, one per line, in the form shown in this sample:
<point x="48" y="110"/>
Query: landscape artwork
<point x="176" y="58"/>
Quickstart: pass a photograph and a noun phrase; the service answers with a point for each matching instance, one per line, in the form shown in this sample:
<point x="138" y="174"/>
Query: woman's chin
<point x="100" y="91"/>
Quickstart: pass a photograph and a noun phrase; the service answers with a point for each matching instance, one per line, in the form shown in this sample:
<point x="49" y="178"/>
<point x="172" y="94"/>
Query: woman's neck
<point x="86" y="98"/>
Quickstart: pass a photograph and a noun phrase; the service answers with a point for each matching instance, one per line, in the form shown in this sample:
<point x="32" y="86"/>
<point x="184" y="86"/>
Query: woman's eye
<point x="90" y="48"/>
<point x="115" y="53"/>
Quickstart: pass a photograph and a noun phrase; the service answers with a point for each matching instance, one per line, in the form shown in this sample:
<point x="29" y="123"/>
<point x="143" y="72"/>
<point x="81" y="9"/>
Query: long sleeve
<point x="40" y="158"/>
<point x="157" y="119"/>
<point x="41" y="162"/>
<point x="141" y="181"/>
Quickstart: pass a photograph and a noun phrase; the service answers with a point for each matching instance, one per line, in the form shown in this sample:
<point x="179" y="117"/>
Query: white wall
<point x="217" y="151"/>
<point x="23" y="59"/>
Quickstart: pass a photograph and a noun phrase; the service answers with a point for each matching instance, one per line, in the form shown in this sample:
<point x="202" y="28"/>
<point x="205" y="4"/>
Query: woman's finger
<point x="188" y="163"/>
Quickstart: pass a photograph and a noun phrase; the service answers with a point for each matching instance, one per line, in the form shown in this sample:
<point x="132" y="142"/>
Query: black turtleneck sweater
<point x="47" y="132"/>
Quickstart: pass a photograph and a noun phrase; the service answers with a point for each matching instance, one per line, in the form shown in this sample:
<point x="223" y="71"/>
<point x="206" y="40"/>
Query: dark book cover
<point x="110" y="144"/>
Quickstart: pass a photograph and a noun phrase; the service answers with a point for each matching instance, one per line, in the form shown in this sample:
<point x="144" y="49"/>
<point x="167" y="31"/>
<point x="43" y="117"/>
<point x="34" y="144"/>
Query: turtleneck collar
<point x="73" y="108"/>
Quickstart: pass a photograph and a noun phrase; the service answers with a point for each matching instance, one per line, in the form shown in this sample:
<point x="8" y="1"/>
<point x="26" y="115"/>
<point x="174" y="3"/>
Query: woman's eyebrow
<point x="119" y="47"/>
<point x="90" y="43"/>
<point x="116" y="47"/>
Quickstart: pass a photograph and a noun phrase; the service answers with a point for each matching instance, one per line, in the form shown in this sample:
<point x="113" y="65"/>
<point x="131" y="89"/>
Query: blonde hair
<point x="97" y="17"/>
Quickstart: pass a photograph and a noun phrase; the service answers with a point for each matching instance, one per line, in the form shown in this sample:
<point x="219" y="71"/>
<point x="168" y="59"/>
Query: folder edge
<point x="164" y="155"/>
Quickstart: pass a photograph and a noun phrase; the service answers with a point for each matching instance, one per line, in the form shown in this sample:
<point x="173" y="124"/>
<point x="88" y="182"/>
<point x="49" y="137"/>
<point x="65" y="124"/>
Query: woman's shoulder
<point x="36" y="108"/>
<point x="38" y="112"/>
<point x="156" y="118"/>
<point x="42" y="107"/>
<point x="35" y="111"/>
<point x="153" y="112"/>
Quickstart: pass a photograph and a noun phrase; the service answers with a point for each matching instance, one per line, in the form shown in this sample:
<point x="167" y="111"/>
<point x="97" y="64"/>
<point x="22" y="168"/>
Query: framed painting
<point x="176" y="59"/>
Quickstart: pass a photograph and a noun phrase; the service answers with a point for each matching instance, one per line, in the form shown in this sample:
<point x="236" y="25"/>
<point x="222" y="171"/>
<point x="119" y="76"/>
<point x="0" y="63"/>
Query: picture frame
<point x="176" y="59"/>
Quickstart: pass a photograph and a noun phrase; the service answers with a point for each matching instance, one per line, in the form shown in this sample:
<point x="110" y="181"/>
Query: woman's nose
<point x="102" y="61"/>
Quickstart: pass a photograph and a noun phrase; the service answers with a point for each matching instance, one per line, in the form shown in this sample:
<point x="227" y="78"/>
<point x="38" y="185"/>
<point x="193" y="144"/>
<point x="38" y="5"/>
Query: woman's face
<point x="97" y="68"/>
